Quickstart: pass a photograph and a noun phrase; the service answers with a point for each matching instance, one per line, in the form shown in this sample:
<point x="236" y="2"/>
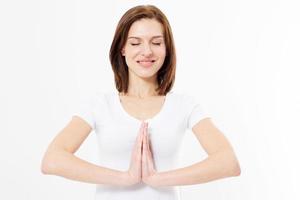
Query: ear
<point x="123" y="52"/>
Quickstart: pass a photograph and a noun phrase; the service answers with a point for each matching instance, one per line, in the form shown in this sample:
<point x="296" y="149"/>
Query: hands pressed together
<point x="142" y="164"/>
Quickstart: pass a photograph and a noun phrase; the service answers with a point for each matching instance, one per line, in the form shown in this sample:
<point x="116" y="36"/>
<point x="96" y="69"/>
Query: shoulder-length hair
<point x="166" y="74"/>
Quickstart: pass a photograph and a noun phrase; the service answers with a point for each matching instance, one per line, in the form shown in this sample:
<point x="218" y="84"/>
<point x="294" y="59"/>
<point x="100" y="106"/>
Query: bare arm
<point x="60" y="160"/>
<point x="220" y="163"/>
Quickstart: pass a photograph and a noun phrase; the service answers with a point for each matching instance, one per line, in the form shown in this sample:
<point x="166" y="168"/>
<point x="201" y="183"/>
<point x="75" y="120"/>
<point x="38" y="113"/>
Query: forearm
<point x="65" y="164"/>
<point x="217" y="166"/>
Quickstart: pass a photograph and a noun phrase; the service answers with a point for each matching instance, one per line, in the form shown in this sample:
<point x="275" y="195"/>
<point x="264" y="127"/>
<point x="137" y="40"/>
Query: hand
<point x="134" y="174"/>
<point x="149" y="174"/>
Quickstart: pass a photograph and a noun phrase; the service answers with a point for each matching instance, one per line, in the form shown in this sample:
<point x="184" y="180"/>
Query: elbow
<point x="47" y="164"/>
<point x="235" y="169"/>
<point x="45" y="169"/>
<point x="233" y="165"/>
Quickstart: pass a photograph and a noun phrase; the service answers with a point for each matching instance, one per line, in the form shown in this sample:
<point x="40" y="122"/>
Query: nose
<point x="147" y="51"/>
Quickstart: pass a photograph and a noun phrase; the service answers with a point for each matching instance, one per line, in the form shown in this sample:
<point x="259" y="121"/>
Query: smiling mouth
<point x="146" y="63"/>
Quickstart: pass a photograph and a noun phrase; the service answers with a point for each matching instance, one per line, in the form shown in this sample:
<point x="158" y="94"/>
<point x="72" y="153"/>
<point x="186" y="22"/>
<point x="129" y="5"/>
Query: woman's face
<point x="145" y="49"/>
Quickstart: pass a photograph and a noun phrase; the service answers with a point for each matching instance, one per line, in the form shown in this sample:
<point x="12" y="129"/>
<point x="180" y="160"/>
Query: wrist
<point x="127" y="179"/>
<point x="157" y="179"/>
<point x="153" y="180"/>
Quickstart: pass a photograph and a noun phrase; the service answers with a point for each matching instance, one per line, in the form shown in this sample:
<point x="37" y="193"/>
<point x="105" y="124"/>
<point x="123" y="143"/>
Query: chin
<point x="144" y="74"/>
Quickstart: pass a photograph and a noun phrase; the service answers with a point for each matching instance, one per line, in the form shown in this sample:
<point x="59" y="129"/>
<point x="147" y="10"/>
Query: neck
<point x="140" y="87"/>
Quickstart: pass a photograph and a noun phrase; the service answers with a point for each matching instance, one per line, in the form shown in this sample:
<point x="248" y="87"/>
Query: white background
<point x="239" y="58"/>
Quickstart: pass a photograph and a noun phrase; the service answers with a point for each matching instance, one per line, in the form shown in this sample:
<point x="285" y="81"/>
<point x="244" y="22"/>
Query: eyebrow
<point x="157" y="36"/>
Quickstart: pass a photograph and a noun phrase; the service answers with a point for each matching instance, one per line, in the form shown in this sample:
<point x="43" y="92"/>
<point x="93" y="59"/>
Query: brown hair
<point x="166" y="74"/>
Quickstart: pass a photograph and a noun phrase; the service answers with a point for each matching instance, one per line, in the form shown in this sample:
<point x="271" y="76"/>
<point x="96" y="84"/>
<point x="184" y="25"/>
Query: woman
<point x="139" y="128"/>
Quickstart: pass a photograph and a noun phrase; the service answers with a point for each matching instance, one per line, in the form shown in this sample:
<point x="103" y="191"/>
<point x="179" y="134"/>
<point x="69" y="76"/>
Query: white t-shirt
<point x="116" y="132"/>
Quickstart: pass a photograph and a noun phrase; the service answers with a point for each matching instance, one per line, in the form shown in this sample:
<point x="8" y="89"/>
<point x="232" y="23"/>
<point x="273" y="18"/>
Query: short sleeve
<point x="195" y="111"/>
<point x="85" y="110"/>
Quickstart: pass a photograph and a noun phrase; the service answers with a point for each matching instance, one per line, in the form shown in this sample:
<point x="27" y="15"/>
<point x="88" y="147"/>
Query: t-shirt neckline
<point x="127" y="115"/>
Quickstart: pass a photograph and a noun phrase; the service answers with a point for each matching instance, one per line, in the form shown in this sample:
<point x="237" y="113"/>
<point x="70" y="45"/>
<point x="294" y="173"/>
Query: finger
<point x="148" y="143"/>
<point x="138" y="144"/>
<point x="148" y="149"/>
<point x="140" y="138"/>
<point x="146" y="138"/>
<point x="139" y="148"/>
<point x="142" y="127"/>
<point x="144" y="146"/>
<point x="147" y="152"/>
<point x="143" y="130"/>
<point x="149" y="155"/>
<point x="144" y="158"/>
<point x="140" y="132"/>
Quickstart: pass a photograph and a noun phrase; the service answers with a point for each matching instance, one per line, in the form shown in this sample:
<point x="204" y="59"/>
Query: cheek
<point x="161" y="52"/>
<point x="131" y="52"/>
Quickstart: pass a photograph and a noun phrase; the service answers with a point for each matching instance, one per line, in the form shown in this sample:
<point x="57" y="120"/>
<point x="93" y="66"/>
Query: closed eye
<point x="156" y="43"/>
<point x="135" y="44"/>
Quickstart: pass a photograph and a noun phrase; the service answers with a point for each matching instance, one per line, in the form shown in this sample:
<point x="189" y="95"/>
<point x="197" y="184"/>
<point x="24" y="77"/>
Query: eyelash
<point x="158" y="44"/>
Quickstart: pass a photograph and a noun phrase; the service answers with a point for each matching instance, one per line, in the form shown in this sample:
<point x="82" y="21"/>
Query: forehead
<point x="145" y="28"/>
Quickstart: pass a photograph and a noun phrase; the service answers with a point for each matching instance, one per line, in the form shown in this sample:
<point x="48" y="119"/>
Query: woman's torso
<point x="116" y="121"/>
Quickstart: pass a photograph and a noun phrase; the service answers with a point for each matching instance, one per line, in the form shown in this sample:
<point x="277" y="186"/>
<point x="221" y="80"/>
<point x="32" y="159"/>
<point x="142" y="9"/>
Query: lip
<point x="146" y="60"/>
<point x="146" y="63"/>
